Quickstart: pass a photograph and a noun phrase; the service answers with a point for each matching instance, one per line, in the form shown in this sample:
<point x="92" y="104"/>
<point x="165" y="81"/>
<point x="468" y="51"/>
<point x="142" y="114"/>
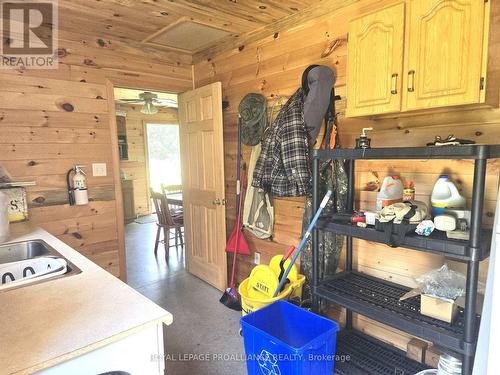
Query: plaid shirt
<point x="283" y="168"/>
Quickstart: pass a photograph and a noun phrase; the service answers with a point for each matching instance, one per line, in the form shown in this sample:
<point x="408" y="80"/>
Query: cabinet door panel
<point x="445" y="52"/>
<point x="375" y="62"/>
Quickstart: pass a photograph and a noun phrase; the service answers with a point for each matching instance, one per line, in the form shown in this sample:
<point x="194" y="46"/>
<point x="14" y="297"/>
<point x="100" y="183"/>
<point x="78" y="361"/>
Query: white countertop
<point x="44" y="324"/>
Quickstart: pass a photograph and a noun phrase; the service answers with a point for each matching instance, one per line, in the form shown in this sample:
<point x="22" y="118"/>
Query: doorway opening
<point x="149" y="150"/>
<point x="164" y="156"/>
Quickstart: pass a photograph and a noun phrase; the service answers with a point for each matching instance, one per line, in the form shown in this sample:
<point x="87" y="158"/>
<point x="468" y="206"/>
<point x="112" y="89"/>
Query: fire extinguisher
<point x="77" y="186"/>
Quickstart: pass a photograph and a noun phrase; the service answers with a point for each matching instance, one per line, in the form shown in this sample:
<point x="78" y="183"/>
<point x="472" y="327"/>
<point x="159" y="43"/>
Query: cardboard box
<point x="435" y="307"/>
<point x="438" y="308"/>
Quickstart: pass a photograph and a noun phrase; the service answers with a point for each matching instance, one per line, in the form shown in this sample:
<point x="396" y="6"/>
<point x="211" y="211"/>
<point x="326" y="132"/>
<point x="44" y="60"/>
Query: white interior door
<point x="202" y="160"/>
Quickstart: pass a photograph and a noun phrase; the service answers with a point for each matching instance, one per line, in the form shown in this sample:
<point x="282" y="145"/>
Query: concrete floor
<point x="203" y="328"/>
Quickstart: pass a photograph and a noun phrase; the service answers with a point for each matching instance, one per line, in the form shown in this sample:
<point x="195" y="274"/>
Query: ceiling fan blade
<point x="165" y="102"/>
<point x="129" y="101"/>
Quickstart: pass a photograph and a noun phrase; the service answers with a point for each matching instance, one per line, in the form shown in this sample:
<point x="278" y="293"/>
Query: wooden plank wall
<point x="40" y="140"/>
<point x="273" y="67"/>
<point x="135" y="167"/>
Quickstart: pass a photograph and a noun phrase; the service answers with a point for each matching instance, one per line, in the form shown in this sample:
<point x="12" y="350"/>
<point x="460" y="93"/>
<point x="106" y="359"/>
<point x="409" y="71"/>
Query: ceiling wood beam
<point x="239" y="41"/>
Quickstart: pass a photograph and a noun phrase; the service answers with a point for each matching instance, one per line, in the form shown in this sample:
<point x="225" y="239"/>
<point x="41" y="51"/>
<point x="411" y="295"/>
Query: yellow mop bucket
<point x="251" y="304"/>
<point x="297" y="287"/>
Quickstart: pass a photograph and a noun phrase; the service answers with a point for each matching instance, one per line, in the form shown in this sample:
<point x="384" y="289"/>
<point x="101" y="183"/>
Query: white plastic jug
<point x="4" y="217"/>
<point x="390" y="192"/>
<point x="445" y="194"/>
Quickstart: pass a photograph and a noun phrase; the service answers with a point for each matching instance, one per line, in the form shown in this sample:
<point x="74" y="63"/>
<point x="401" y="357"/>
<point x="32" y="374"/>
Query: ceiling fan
<point x="151" y="101"/>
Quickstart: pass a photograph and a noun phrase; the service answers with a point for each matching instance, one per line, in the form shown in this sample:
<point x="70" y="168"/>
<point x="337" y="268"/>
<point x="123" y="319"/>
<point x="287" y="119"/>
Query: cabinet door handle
<point x="394" y="83"/>
<point x="411" y="81"/>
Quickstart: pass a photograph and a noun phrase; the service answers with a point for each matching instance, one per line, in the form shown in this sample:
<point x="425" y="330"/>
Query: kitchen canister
<point x="4" y="217"/>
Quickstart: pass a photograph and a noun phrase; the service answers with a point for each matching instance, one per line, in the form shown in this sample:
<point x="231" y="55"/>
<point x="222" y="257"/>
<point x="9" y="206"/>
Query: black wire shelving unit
<point x="360" y="354"/>
<point x="379" y="299"/>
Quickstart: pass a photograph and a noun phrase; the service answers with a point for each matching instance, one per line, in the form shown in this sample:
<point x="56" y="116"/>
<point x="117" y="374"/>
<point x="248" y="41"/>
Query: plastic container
<point x="287" y="340"/>
<point x="390" y="192"/>
<point x="449" y="365"/>
<point x="4" y="217"/>
<point x="251" y="303"/>
<point x="445" y="195"/>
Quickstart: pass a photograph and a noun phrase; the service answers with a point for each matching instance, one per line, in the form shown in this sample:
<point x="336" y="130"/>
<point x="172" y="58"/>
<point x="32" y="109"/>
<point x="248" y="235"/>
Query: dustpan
<point x="243" y="247"/>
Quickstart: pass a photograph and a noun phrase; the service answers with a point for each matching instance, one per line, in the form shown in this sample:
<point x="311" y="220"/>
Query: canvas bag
<point x="253" y="114"/>
<point x="399" y="219"/>
<point x="258" y="212"/>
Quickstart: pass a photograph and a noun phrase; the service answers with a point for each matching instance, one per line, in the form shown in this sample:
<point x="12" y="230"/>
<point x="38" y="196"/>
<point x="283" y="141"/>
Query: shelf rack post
<point x="350" y="208"/>
<point x="470" y="329"/>
<point x="315" y="244"/>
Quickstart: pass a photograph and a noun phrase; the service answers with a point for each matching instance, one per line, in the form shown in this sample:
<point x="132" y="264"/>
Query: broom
<point x="230" y="297"/>
<point x="237" y="242"/>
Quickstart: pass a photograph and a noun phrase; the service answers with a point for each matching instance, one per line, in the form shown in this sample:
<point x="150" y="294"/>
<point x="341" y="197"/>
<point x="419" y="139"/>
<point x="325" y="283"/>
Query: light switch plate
<point x="99" y="170"/>
<point x="256" y="258"/>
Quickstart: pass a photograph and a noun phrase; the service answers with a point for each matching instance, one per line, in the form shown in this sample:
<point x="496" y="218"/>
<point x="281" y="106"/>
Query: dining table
<point x="175" y="199"/>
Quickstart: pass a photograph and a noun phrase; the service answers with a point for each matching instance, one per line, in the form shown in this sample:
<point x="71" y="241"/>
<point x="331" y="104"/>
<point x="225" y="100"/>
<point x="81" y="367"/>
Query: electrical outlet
<point x="99" y="170"/>
<point x="256" y="258"/>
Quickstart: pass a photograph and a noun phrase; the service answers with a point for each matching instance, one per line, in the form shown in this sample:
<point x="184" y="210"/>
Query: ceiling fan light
<point x="148" y="108"/>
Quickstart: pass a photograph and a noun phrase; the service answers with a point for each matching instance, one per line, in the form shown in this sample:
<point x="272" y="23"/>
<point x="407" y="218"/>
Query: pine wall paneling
<point x="273" y="66"/>
<point x="40" y="141"/>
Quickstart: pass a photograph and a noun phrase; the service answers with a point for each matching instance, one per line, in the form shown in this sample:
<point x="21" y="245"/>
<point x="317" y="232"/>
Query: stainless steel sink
<point x="32" y="249"/>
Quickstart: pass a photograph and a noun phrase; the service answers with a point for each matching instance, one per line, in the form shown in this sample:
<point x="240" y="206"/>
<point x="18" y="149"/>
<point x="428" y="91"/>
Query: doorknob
<point x="224" y="201"/>
<point x="216" y="202"/>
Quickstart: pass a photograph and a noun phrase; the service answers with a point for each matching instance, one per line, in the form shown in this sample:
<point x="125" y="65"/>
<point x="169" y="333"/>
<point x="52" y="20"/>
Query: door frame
<point x="146" y="162"/>
<point x="115" y="158"/>
<point x="120" y="216"/>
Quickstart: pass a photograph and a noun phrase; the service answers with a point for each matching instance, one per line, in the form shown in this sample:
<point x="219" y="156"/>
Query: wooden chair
<point x="167" y="221"/>
<point x="171" y="190"/>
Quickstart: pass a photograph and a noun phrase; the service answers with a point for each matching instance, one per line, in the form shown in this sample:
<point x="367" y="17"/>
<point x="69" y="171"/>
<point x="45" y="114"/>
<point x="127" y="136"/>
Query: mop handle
<point x="238" y="163"/>
<point x="304" y="239"/>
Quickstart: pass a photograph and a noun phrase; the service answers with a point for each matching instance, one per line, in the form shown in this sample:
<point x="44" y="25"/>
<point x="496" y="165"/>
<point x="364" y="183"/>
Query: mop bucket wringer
<point x="253" y="303"/>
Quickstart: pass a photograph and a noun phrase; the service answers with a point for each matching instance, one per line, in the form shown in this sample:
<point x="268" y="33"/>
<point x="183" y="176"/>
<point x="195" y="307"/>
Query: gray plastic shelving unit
<point x="378" y="299"/>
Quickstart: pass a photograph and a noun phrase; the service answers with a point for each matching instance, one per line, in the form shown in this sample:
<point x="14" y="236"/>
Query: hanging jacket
<point x="283" y="168"/>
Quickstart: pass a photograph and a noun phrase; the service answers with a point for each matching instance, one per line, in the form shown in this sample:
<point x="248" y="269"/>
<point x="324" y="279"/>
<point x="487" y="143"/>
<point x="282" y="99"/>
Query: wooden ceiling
<point x="140" y="21"/>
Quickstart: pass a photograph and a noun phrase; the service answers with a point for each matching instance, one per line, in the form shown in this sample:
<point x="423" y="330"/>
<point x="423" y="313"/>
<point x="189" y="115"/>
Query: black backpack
<point x="320" y="104"/>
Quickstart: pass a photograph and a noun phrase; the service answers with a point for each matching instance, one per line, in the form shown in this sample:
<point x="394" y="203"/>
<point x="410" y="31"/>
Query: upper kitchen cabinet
<point x="375" y="62"/>
<point x="422" y="54"/>
<point x="445" y="45"/>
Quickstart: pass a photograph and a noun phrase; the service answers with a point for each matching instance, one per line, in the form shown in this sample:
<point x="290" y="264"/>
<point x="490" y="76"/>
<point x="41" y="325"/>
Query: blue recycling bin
<point x="283" y="339"/>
